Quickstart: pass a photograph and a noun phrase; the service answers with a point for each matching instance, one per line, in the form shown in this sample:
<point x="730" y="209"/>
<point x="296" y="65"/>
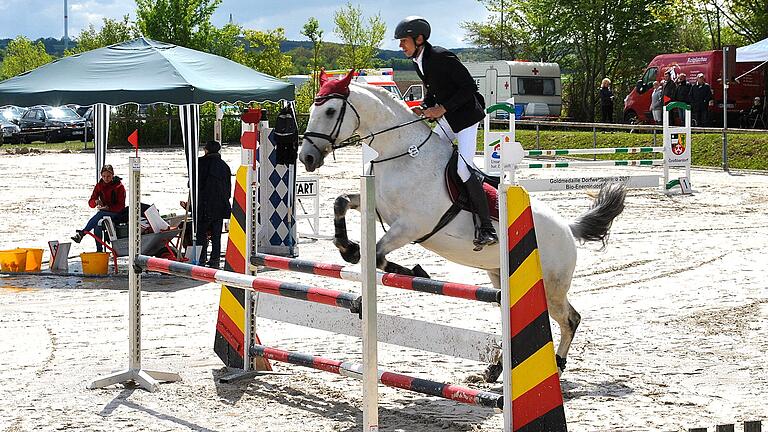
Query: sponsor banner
<point x="587" y="182"/>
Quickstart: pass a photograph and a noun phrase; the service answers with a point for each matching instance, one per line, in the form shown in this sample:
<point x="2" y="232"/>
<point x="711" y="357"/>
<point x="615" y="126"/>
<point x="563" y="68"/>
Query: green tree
<point x="224" y="41"/>
<point x="361" y="41"/>
<point x="314" y="33"/>
<point x="112" y="32"/>
<point x="520" y="29"/>
<point x="747" y="18"/>
<point x="181" y="22"/>
<point x="263" y="52"/>
<point x="23" y="55"/>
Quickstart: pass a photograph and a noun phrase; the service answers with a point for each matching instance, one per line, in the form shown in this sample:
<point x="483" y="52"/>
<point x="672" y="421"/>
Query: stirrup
<point x="490" y="238"/>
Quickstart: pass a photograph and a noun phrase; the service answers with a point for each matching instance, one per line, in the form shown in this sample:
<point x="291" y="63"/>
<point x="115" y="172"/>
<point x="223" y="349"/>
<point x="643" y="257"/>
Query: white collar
<point x="418" y="58"/>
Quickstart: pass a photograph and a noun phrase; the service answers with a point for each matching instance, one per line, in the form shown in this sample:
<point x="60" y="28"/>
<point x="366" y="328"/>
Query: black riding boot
<point x="485" y="234"/>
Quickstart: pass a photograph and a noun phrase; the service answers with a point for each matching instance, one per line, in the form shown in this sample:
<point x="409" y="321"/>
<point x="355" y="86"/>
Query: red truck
<point x="710" y="63"/>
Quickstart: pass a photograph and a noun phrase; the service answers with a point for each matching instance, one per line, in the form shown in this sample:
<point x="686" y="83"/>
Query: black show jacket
<point x="448" y="83"/>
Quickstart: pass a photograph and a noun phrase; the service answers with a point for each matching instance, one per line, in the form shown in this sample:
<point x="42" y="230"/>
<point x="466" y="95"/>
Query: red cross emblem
<point x="535" y="71"/>
<point x="506" y="85"/>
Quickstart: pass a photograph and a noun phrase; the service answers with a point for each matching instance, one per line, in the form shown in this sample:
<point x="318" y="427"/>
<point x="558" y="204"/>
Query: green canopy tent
<point x="144" y="71"/>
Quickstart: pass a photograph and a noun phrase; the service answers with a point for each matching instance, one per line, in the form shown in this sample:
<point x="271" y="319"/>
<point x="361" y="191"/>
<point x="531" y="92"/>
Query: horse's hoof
<point x="419" y="272"/>
<point x="475" y="378"/>
<point x="351" y="253"/>
<point x="560" y="363"/>
<point x="492" y="372"/>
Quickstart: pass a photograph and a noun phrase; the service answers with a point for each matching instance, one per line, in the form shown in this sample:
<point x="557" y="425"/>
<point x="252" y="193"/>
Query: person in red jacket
<point x="109" y="198"/>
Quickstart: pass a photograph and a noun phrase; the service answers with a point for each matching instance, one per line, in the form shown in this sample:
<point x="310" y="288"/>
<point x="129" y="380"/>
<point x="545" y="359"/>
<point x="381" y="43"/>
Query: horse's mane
<point x="395" y="105"/>
<point x="387" y="97"/>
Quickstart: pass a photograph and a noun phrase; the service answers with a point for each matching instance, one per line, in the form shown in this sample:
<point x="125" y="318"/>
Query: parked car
<point x="88" y="117"/>
<point x="12" y="113"/>
<point x="51" y="124"/>
<point x="80" y="109"/>
<point x="9" y="131"/>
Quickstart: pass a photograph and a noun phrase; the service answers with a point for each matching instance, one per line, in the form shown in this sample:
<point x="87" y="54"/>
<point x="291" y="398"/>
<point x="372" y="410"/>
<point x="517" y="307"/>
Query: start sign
<point x="306" y="187"/>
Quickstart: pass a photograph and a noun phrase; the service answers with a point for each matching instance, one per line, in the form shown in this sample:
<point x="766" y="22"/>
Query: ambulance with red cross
<point x="535" y="86"/>
<point x="383" y="77"/>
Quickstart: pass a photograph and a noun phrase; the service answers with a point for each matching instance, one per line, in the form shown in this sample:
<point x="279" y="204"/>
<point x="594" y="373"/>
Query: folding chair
<point x="760" y="120"/>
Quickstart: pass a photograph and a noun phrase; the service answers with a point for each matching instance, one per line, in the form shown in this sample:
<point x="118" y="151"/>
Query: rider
<point x="453" y="100"/>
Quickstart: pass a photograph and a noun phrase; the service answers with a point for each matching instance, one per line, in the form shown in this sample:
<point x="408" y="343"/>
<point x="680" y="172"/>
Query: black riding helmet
<point x="412" y="27"/>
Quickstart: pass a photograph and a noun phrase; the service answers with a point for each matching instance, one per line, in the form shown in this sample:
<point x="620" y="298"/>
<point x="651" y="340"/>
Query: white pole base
<point x="146" y="379"/>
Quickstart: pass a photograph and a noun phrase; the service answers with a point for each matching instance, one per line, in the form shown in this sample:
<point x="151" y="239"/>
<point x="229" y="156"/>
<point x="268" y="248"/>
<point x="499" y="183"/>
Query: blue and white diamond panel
<point x="276" y="198"/>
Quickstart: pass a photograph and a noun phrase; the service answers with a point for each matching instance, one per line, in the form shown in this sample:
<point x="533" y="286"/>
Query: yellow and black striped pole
<point x="533" y="399"/>
<point x="235" y="331"/>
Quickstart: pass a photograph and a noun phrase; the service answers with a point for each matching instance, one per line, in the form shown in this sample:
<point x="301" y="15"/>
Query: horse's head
<point x="332" y="119"/>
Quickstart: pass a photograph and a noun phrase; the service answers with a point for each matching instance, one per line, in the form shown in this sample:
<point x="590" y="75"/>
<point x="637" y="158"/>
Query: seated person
<point x="749" y="117"/>
<point x="108" y="197"/>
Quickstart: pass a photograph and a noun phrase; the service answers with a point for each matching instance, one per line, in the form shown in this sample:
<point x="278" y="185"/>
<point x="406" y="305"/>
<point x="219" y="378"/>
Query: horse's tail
<point x="596" y="222"/>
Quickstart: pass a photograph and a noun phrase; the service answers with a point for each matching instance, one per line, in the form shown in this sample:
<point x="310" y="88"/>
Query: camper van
<point x="534" y="85"/>
<point x="710" y="63"/>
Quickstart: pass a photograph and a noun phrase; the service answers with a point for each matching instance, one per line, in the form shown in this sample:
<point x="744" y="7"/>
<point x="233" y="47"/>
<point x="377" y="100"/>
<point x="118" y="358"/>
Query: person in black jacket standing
<point x="606" y="101"/>
<point x="682" y="94"/>
<point x="214" y="188"/>
<point x="700" y="95"/>
<point x="669" y="88"/>
<point x="453" y="100"/>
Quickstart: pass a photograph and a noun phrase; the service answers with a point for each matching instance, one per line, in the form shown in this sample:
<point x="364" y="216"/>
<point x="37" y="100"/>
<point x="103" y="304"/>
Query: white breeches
<point x="467" y="139"/>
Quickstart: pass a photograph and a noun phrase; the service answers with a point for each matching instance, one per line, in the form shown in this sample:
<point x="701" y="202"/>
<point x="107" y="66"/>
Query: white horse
<point x="411" y="197"/>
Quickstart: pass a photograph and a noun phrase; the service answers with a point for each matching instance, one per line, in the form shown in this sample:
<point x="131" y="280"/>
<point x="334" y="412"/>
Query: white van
<point x="535" y="86"/>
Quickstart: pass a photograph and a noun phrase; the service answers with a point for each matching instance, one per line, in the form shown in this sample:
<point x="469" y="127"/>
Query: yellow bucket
<point x="13" y="260"/>
<point x="34" y="259"/>
<point x="95" y="263"/>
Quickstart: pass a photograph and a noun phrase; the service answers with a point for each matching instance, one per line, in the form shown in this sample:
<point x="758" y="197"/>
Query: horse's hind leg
<point x="493" y="371"/>
<point x="350" y="250"/>
<point x="568" y="320"/>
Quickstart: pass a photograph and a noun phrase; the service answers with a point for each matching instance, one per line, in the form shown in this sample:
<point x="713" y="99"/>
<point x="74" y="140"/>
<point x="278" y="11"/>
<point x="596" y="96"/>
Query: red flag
<point x="133" y="138"/>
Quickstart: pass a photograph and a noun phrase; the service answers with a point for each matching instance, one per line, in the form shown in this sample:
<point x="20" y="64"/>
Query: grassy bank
<point x="745" y="151"/>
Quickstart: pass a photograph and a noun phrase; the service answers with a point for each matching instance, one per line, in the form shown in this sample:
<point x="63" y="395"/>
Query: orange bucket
<point x="95" y="263"/>
<point x="13" y="260"/>
<point x="34" y="260"/>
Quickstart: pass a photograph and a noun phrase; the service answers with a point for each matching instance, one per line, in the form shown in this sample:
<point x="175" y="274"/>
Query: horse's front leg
<point x="398" y="236"/>
<point x="350" y="250"/>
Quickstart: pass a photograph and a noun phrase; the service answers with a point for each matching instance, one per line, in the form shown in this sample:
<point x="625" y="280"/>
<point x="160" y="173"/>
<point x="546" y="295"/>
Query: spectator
<point x="700" y="96"/>
<point x="749" y="117"/>
<point x="108" y="197"/>
<point x="214" y="188"/>
<point x="682" y="94"/>
<point x="668" y="92"/>
<point x="657" y="102"/>
<point x="606" y="101"/>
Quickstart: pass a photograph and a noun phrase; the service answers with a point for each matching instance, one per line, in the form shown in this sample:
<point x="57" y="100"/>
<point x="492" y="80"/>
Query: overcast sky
<point x="44" y="18"/>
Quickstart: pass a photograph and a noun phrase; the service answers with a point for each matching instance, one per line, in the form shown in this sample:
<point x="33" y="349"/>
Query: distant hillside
<point x="391" y="58"/>
<point x="466" y="54"/>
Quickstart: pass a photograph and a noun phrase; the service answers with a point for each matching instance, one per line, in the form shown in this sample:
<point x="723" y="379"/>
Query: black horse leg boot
<point x="485" y="234"/>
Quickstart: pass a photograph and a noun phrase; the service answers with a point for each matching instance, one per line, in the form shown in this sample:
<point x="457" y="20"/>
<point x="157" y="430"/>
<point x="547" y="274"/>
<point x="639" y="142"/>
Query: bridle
<point x="334" y="134"/>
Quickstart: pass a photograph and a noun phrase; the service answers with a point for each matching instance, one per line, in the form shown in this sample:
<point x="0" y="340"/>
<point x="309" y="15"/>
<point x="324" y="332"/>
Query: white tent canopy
<point x="757" y="52"/>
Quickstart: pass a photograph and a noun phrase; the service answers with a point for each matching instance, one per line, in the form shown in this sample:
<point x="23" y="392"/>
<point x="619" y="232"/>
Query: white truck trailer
<point x="535" y="86"/>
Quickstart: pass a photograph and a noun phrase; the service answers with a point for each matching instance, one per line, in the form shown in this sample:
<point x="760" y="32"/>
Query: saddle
<point x="460" y="196"/>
